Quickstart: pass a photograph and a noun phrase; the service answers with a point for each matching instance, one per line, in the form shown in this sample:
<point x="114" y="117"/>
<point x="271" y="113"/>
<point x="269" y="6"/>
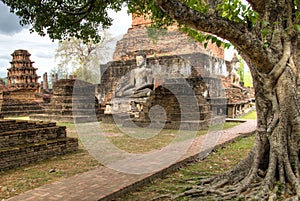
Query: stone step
<point x="69" y="90"/>
<point x="189" y="116"/>
<point x="180" y="116"/>
<point x="70" y="99"/>
<point x="69" y="107"/>
<point x="22" y="125"/>
<point x="71" y="112"/>
<point x="65" y="118"/>
<point x="11" y="108"/>
<point x="186" y="108"/>
<point x="21" y="155"/>
<point x="37" y="135"/>
<point x="20" y="113"/>
<point x="217" y="100"/>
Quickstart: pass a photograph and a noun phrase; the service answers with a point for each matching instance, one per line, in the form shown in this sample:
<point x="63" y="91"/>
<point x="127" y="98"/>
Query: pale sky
<point x="42" y="49"/>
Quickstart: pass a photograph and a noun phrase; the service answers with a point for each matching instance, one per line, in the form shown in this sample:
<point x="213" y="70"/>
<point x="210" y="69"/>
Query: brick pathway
<point x="106" y="184"/>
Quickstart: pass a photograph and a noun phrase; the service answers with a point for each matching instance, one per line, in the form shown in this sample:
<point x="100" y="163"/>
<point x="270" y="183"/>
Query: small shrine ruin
<point x="240" y="100"/>
<point x="20" y="96"/>
<point x="72" y="100"/>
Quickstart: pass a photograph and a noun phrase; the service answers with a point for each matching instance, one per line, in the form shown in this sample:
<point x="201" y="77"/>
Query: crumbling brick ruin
<point x="72" y="100"/>
<point x="172" y="57"/>
<point x="23" y="142"/>
<point x="20" y="96"/>
<point x="240" y="100"/>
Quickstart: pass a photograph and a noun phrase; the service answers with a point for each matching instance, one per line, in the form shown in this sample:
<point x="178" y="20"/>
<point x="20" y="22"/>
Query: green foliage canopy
<point x="62" y="19"/>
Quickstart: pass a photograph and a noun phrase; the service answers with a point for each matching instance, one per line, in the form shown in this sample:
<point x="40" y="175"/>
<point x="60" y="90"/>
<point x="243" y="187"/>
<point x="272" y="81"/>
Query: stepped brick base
<point x="15" y="108"/>
<point x="65" y="118"/>
<point x="24" y="142"/>
<point x="73" y="100"/>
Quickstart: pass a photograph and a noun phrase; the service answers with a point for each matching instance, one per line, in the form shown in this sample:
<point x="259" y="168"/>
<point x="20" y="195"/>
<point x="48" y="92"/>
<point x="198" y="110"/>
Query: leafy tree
<point x="248" y="79"/>
<point x="266" y="35"/>
<point x="60" y="71"/>
<point x="84" y="58"/>
<point x="241" y="70"/>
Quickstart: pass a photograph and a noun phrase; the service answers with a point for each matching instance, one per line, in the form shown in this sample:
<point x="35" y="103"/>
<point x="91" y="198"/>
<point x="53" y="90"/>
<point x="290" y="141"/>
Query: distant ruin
<point x="240" y="100"/>
<point x="72" y="100"/>
<point x="22" y="74"/>
<point x="20" y="96"/>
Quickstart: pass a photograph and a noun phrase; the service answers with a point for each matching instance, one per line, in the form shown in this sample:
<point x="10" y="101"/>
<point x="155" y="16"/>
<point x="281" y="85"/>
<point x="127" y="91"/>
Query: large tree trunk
<point x="276" y="150"/>
<point x="272" y="168"/>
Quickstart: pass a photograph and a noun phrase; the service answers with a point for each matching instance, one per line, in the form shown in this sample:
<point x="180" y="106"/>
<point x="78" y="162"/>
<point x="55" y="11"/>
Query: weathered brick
<point x="32" y="141"/>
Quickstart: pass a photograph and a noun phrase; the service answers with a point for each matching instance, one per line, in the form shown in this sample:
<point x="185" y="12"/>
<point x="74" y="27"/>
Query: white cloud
<point x="42" y="49"/>
<point x="122" y="21"/>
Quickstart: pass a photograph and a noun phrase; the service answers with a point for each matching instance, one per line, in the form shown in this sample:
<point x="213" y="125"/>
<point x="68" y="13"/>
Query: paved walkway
<point x="106" y="184"/>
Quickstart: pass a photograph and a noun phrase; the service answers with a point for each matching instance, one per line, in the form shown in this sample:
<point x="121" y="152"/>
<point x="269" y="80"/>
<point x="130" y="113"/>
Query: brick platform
<point x="23" y="142"/>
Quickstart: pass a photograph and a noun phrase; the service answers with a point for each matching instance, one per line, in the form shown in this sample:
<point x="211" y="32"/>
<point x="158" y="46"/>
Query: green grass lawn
<point x="158" y="141"/>
<point x="250" y="115"/>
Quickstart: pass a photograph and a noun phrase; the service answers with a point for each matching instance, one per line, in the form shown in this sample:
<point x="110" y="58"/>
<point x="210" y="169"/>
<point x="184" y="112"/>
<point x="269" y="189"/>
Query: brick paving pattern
<point x="106" y="184"/>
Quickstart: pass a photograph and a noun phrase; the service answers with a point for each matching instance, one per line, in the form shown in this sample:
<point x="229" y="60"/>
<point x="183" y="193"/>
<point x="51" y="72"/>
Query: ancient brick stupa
<point x="22" y="74"/>
<point x="176" y="63"/>
<point x="19" y="98"/>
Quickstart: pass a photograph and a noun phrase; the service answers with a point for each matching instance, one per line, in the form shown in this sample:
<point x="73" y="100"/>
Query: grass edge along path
<point x="218" y="162"/>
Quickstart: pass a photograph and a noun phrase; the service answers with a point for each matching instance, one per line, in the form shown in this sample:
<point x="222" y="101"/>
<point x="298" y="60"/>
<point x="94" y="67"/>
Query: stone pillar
<point x="54" y="78"/>
<point x="45" y="82"/>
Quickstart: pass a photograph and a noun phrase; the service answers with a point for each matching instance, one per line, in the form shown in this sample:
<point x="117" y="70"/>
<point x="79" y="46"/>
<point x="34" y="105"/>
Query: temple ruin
<point x="177" y="64"/>
<point x="72" y="100"/>
<point x="24" y="142"/>
<point x="22" y="74"/>
<point x="240" y="100"/>
<point x="20" y="96"/>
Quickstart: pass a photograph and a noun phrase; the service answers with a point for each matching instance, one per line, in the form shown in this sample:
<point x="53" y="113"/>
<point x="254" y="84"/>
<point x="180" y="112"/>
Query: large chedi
<point x="20" y="96"/>
<point x="178" y="70"/>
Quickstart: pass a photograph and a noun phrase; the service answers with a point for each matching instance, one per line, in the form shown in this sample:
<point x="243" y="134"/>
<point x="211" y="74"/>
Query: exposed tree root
<point x="248" y="181"/>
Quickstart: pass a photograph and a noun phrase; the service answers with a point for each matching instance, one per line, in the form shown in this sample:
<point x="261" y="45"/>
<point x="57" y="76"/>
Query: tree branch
<point x="84" y="10"/>
<point x="280" y="66"/>
<point x="237" y="33"/>
<point x="257" y="5"/>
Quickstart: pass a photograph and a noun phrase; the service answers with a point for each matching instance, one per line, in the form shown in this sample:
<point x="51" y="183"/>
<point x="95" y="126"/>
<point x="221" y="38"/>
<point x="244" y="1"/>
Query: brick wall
<point x="172" y="42"/>
<point x="140" y="20"/>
